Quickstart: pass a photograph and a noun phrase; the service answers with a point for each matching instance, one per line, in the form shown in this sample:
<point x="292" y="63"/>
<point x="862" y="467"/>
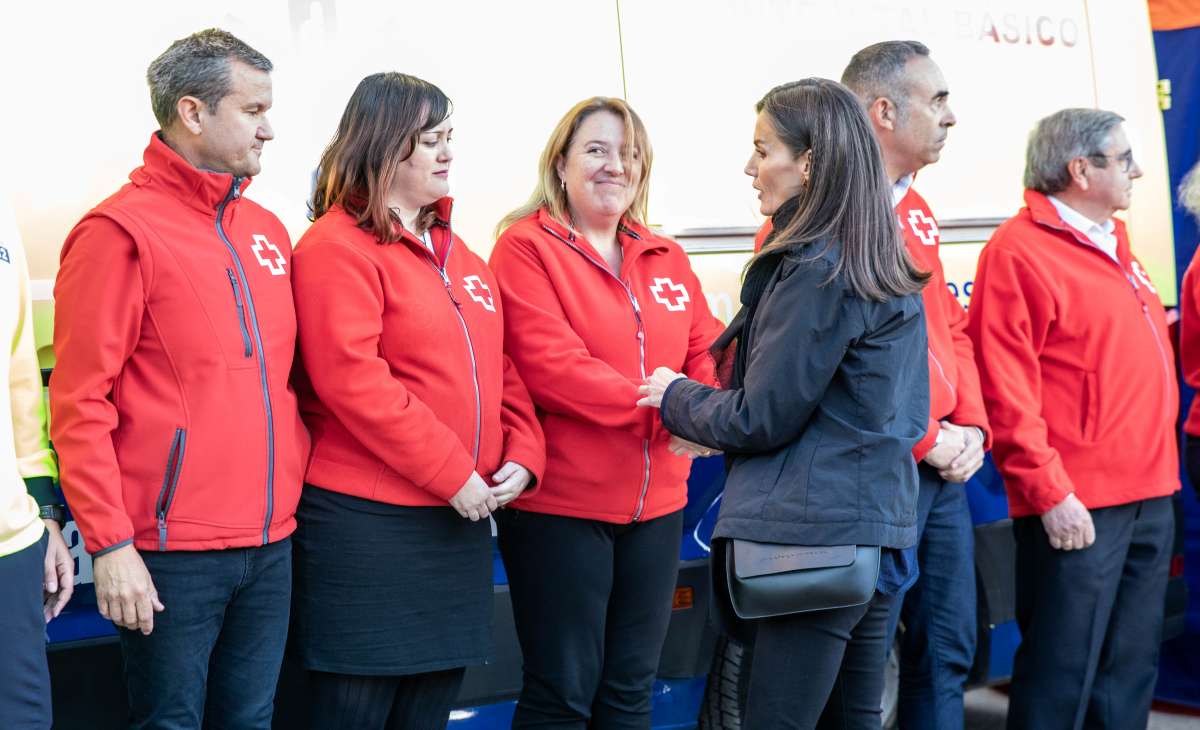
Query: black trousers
<point x="1091" y="621"/>
<point x="822" y="669"/>
<point x="1191" y="460"/>
<point x="592" y="603"/>
<point x="357" y="702"/>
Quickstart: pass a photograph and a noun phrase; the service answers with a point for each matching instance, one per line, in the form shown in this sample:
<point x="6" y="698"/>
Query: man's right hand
<point x="952" y="441"/>
<point x="474" y="499"/>
<point x="125" y="593"/>
<point x="1069" y="525"/>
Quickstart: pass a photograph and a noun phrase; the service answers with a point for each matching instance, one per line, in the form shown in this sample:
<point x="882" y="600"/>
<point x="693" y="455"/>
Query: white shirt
<point x="1101" y="235"/>
<point x="900" y="189"/>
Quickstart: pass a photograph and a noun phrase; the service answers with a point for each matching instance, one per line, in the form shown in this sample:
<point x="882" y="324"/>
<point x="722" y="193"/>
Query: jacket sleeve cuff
<point x="450" y="478"/>
<point x="664" y="409"/>
<point x="925" y="445"/>
<point x="531" y="460"/>
<point x="42" y="490"/>
<point x="110" y="548"/>
<point x="1046" y="487"/>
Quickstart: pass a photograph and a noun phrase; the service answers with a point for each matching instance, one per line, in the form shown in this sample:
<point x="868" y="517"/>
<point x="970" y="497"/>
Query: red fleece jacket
<point x="405" y="383"/>
<point x="583" y="339"/>
<point x="174" y="333"/>
<point x="1075" y="366"/>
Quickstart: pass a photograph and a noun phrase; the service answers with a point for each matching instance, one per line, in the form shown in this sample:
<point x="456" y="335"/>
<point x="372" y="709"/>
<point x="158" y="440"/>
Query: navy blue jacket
<point x="818" y="435"/>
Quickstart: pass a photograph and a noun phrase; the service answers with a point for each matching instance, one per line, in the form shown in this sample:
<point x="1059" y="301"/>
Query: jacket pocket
<point x="1089" y="411"/>
<point x="166" y="495"/>
<point x="247" y="348"/>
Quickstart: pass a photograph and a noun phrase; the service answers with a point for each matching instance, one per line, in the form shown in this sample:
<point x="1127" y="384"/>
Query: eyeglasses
<point x="1125" y="159"/>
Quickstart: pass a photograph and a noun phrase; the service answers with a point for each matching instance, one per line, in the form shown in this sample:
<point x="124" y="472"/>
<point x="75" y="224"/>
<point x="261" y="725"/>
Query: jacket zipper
<point x="641" y="337"/>
<point x="942" y="372"/>
<point x="441" y="270"/>
<point x="233" y="194"/>
<point x="1162" y="354"/>
<point x="237" y="300"/>
<point x="166" y="495"/>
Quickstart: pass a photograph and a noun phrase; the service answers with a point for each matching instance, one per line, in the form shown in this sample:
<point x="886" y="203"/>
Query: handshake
<point x="652" y="392"/>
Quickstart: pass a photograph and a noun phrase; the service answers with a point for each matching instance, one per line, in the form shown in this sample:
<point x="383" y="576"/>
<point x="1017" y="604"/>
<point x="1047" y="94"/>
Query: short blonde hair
<point x="550" y="193"/>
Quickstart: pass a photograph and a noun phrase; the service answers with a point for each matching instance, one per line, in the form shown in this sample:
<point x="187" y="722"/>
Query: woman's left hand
<point x="654" y="387"/>
<point x="511" y="480"/>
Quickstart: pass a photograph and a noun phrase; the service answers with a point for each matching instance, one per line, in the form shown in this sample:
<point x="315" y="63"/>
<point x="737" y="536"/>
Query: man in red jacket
<point x="907" y="101"/>
<point x="180" y="442"/>
<point x="1081" y="392"/>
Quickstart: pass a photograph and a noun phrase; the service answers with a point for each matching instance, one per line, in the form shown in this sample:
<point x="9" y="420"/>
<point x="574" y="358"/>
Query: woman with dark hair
<point x="827" y="395"/>
<point x="596" y="300"/>
<point x="421" y="426"/>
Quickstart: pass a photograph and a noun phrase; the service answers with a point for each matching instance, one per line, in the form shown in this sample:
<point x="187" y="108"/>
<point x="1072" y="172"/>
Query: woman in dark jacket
<point x="827" y="396"/>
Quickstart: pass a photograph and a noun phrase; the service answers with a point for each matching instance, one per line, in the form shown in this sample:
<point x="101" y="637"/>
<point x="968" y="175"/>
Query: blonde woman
<point x="595" y="301"/>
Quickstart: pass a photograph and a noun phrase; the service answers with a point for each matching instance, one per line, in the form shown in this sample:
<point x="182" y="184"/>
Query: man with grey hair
<point x="1081" y="393"/>
<point x="181" y="448"/>
<point x="907" y="100"/>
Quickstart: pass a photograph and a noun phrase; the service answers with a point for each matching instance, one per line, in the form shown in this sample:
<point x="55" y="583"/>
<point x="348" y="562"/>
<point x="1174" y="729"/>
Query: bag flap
<point x="751" y="559"/>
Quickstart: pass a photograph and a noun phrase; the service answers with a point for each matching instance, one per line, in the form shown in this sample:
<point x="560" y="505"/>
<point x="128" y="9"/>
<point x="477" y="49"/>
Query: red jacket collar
<point x="635" y="238"/>
<point x="163" y="167"/>
<point x="1043" y="213"/>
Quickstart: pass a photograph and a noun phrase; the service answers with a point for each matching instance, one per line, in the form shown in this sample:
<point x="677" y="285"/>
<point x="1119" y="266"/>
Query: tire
<point x="891" y="689"/>
<point x="724" y="701"/>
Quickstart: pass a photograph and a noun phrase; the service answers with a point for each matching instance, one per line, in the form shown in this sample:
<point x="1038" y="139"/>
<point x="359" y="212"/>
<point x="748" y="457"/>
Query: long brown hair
<point x="549" y="192"/>
<point x="379" y="130"/>
<point x="847" y="198"/>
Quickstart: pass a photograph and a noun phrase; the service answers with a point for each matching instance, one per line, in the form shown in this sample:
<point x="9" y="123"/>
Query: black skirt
<point x="380" y="589"/>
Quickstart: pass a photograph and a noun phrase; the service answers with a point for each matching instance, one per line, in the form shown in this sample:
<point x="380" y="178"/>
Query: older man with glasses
<point x="1071" y="340"/>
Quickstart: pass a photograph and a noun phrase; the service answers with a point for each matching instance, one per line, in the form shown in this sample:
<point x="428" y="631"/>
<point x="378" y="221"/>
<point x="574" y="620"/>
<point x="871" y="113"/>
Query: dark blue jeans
<point x="213" y="658"/>
<point x="938" y="646"/>
<point x="24" y="679"/>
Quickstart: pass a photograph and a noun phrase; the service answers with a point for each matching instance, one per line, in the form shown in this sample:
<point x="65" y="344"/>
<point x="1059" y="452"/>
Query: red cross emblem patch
<point x="479" y="292"/>
<point x="669" y="294"/>
<point x="268" y="255"/>
<point x="923" y="226"/>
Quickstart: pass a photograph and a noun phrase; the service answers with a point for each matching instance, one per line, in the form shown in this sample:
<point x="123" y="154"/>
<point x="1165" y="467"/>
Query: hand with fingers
<point x="125" y="592"/>
<point x="474" y="500"/>
<point x="1069" y="525"/>
<point x="683" y="447"/>
<point x="511" y="480"/>
<point x="969" y="460"/>
<point x="58" y="573"/>
<point x="652" y="390"/>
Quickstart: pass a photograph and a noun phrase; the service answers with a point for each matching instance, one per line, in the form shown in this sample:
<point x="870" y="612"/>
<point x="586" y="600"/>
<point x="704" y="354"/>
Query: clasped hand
<point x="652" y="393"/>
<point x="959" y="454"/>
<point x="475" y="500"/>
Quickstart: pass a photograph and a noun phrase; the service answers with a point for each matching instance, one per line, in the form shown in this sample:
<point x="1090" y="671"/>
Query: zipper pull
<point x="636" y="307"/>
<point x="237" y="188"/>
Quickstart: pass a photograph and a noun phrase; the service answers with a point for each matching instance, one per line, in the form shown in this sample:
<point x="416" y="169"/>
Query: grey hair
<point x="197" y="66"/>
<point x="1064" y="136"/>
<point x="878" y="71"/>
<point x="1189" y="192"/>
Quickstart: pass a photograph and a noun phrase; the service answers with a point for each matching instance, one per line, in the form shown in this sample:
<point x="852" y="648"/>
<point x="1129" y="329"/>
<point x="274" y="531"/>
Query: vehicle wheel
<point x="725" y="696"/>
